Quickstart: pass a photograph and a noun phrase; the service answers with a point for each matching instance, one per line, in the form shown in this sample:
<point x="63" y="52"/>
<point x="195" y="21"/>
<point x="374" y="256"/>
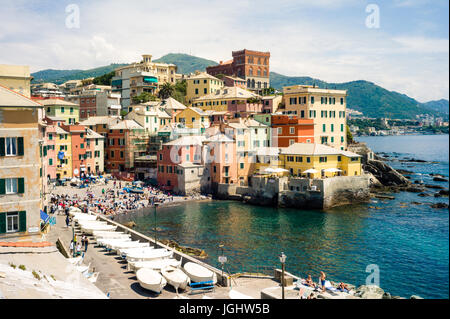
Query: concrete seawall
<point x="223" y="280"/>
<point x="300" y="192"/>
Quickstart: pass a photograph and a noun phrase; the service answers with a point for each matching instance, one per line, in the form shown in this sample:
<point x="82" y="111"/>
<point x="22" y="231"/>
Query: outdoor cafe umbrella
<point x="269" y="170"/>
<point x="333" y="170"/>
<point x="310" y="171"/>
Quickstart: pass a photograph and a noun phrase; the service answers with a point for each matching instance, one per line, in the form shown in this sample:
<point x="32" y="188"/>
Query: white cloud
<point x="120" y="31"/>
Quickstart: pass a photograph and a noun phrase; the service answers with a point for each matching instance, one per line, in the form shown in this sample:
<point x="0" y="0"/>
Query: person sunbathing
<point x="343" y="287"/>
<point x="309" y="282"/>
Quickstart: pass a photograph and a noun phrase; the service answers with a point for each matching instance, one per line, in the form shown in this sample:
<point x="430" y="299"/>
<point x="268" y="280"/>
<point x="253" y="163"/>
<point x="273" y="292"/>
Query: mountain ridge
<point x="365" y="96"/>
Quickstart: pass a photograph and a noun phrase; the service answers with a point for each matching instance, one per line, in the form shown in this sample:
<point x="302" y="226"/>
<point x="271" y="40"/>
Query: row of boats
<point x="154" y="267"/>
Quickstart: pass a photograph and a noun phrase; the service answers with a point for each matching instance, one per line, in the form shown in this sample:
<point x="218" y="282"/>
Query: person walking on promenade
<point x="86" y="243"/>
<point x="114" y="183"/>
<point x="71" y="247"/>
<point x="67" y="221"/>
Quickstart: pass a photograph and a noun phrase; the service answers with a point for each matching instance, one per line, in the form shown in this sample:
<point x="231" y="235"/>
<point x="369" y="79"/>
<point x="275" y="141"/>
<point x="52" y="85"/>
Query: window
<point x="324" y="127"/>
<point x="121" y="154"/>
<point x="291" y="142"/>
<point x="11" y="185"/>
<point x="299" y="159"/>
<point x="312" y="99"/>
<point x="308" y="160"/>
<point x="12" y="222"/>
<point x="187" y="157"/>
<point x="323" y="159"/>
<point x="280" y="130"/>
<point x="339" y="158"/>
<point x="342" y="139"/>
<point x="11" y="146"/>
<point x="342" y="100"/>
<point x="342" y="127"/>
<point x="332" y="128"/>
<point x="302" y="114"/>
<point x="242" y="165"/>
<point x="62" y="109"/>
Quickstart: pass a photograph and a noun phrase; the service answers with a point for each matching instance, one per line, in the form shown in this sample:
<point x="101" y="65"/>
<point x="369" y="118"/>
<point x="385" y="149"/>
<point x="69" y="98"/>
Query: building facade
<point x="326" y="107"/>
<point x="201" y="84"/>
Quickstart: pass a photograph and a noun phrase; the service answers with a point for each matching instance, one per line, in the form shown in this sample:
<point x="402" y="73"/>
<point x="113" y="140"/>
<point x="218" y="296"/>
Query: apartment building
<point x="144" y="76"/>
<point x="194" y="117"/>
<point x="21" y="162"/>
<point x="98" y="103"/>
<point x="95" y="152"/>
<point x="201" y="84"/>
<point x="58" y="108"/>
<point x="288" y="130"/>
<point x="150" y="116"/>
<point x="16" y="78"/>
<point x="252" y="66"/>
<point x="326" y="107"/>
<point x="63" y="148"/>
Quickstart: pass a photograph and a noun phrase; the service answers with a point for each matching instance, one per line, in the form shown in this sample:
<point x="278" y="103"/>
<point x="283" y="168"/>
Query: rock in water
<point x="439" y="205"/>
<point x="386" y="295"/>
<point x="415" y="297"/>
<point x="440" y="179"/>
<point x="130" y="224"/>
<point x="369" y="292"/>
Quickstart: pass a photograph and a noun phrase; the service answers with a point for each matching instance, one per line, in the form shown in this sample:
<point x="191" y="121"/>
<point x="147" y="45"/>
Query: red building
<point x="287" y="130"/>
<point x="187" y="149"/>
<point x="252" y="66"/>
<point x="78" y="135"/>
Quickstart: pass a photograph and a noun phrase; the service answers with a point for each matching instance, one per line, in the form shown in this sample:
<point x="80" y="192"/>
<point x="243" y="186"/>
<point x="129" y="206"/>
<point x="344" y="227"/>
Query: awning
<point x="44" y="217"/>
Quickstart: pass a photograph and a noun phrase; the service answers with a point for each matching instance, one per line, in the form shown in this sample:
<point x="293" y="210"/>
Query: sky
<point x="401" y="45"/>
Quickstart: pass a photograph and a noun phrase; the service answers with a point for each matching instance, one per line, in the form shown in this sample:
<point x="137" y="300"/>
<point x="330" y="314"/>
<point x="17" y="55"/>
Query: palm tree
<point x="166" y="91"/>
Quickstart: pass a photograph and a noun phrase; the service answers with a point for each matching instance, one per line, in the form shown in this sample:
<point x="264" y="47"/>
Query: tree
<point x="104" y="79"/>
<point x="349" y="136"/>
<point x="268" y="91"/>
<point x="166" y="91"/>
<point x="143" y="97"/>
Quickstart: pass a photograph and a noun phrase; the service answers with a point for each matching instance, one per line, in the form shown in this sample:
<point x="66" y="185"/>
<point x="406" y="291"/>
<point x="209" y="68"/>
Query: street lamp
<point x="282" y="260"/>
<point x="222" y="259"/>
<point x="154" y="214"/>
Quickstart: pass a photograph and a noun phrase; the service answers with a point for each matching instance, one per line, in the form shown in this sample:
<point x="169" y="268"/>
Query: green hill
<point x="439" y="105"/>
<point x="186" y="63"/>
<point x="61" y="76"/>
<point x="370" y="99"/>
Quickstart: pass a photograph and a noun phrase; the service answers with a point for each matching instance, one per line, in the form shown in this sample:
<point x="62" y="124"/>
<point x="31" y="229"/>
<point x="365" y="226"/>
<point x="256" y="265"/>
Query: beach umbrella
<point x="269" y="170"/>
<point x="280" y="170"/>
<point x="310" y="171"/>
<point x="333" y="170"/>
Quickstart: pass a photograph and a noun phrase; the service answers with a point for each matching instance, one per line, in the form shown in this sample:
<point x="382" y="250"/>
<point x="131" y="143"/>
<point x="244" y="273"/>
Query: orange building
<point x="78" y="135"/>
<point x="287" y="130"/>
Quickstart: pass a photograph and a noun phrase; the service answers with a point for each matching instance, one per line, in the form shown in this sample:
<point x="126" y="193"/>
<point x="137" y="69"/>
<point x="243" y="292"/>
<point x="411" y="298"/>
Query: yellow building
<point x="16" y="78"/>
<point x="63" y="143"/>
<point x="70" y="112"/>
<point x="326" y="107"/>
<point x="201" y="84"/>
<point x="228" y="99"/>
<point x="319" y="161"/>
<point x="193" y="117"/>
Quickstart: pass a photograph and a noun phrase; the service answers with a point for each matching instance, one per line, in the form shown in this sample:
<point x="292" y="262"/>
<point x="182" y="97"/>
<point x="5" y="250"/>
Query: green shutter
<point x="45" y="150"/>
<point x="20" y="146"/>
<point x="2" y="186"/>
<point x="21" y="185"/>
<point x="2" y="146"/>
<point x="22" y="221"/>
<point x="2" y="223"/>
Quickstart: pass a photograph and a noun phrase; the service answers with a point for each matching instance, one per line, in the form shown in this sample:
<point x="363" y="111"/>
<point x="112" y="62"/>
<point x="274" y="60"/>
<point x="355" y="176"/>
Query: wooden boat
<point x="127" y="244"/>
<point x="107" y="233"/>
<point x="176" y="277"/>
<point x="84" y="217"/>
<point x="123" y="252"/>
<point x="150" y="255"/>
<point x="151" y="280"/>
<point x="110" y="241"/>
<point x="199" y="273"/>
<point x="156" y="264"/>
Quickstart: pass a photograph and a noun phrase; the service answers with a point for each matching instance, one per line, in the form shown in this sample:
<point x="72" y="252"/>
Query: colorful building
<point x="201" y="84"/>
<point x="22" y="185"/>
<point x="95" y="152"/>
<point x="149" y="116"/>
<point x="16" y="78"/>
<point x="78" y="143"/>
<point x="58" y="108"/>
<point x="326" y="107"/>
<point x="231" y="99"/>
<point x="229" y="80"/>
<point x="194" y="117"/>
<point x="319" y="161"/>
<point x="63" y="150"/>
<point x="252" y="66"/>
<point x="288" y="130"/>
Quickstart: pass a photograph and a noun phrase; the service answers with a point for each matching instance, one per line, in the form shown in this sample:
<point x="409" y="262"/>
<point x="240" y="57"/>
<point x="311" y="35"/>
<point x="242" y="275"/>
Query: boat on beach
<point x="198" y="273"/>
<point x="175" y="277"/>
<point x="107" y="233"/>
<point x="89" y="229"/>
<point x="151" y="280"/>
<point x="149" y="255"/>
<point x="110" y="241"/>
<point x="127" y="244"/>
<point x="123" y="252"/>
<point x="156" y="264"/>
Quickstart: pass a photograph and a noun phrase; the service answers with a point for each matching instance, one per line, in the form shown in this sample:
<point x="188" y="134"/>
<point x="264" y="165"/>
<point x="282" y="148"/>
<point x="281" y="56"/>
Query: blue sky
<point x="325" y="39"/>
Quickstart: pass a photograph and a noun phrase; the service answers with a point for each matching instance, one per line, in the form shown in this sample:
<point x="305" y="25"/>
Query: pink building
<point x="222" y="163"/>
<point x="50" y="152"/>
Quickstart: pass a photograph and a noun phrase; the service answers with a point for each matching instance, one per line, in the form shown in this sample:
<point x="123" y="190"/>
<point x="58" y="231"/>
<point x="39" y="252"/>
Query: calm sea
<point x="408" y="243"/>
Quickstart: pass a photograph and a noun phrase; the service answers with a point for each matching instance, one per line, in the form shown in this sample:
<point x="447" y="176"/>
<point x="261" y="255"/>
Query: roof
<point x="59" y="130"/>
<point x="254" y="123"/>
<point x="268" y="151"/>
<point x="222" y="138"/>
<point x="126" y="125"/>
<point x="234" y="92"/>
<point x="188" y="140"/>
<point x="92" y="134"/>
<point x="189" y="165"/>
<point x="171" y="103"/>
<point x="146" y="158"/>
<point x="10" y="98"/>
<point x="202" y="75"/>
<point x="49" y="102"/>
<point x="94" y="120"/>
<point x="315" y="149"/>
<point x="55" y="118"/>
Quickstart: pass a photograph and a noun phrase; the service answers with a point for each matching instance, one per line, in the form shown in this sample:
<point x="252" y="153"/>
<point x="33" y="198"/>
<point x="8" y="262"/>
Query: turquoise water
<point x="409" y="244"/>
